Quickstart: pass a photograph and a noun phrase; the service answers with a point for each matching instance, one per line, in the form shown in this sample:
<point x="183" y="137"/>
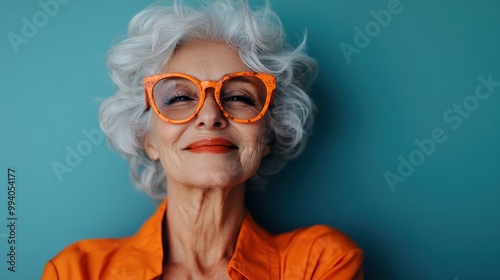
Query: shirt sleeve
<point x="348" y="266"/>
<point x="50" y="272"/>
<point x="322" y="253"/>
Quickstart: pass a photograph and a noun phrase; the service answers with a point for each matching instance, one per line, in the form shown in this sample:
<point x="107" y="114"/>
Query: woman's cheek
<point x="252" y="160"/>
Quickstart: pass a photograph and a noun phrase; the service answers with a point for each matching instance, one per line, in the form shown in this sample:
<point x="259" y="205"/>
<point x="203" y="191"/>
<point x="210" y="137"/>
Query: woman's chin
<point x="213" y="180"/>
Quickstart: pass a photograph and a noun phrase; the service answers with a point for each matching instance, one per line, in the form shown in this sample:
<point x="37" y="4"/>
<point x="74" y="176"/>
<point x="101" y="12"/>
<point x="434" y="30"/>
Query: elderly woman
<point x="210" y="101"/>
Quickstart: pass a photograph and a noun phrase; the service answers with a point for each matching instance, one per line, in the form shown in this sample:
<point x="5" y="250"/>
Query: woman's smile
<point x="214" y="145"/>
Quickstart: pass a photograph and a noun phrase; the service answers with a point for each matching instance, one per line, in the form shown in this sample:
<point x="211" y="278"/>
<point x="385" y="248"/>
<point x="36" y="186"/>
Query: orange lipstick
<point x="215" y="146"/>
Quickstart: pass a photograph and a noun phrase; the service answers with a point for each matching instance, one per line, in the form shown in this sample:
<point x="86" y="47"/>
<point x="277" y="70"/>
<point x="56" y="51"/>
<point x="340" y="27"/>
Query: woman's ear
<point x="266" y="151"/>
<point x="267" y="137"/>
<point x="150" y="148"/>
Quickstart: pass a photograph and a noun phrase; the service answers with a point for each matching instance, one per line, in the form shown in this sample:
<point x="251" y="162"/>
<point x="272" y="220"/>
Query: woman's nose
<point x="210" y="115"/>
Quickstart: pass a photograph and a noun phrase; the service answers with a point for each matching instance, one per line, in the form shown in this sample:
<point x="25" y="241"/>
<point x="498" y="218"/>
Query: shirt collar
<point x="255" y="255"/>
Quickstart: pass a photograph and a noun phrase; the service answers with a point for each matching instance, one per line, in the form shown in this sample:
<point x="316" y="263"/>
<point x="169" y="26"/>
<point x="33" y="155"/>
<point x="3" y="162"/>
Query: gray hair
<point x="153" y="36"/>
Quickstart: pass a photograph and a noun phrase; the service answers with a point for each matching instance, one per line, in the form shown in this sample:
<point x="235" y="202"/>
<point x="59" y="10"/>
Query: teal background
<point x="442" y="222"/>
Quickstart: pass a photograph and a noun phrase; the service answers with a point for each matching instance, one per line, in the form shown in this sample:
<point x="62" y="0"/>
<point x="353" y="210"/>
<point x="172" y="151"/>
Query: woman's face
<point x="209" y="150"/>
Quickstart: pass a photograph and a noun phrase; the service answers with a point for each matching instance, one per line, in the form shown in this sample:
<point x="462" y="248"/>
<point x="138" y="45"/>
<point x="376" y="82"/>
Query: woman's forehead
<point x="206" y="60"/>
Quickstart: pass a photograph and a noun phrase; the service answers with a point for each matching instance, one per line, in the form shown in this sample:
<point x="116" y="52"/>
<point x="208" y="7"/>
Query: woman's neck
<point x="202" y="225"/>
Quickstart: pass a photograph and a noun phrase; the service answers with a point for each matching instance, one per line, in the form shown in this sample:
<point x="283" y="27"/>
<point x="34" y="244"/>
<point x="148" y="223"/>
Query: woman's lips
<point x="215" y="145"/>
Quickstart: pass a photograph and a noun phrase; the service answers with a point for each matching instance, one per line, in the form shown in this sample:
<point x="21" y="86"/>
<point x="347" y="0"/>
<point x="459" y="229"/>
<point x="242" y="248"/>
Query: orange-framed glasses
<point x="243" y="97"/>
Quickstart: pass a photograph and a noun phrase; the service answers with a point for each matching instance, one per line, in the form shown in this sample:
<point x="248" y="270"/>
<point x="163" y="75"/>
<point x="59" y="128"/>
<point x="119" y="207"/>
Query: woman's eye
<point x="177" y="98"/>
<point x="239" y="97"/>
<point x="178" y="94"/>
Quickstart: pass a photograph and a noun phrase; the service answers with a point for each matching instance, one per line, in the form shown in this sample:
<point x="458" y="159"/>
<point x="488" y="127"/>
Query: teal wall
<point x="404" y="157"/>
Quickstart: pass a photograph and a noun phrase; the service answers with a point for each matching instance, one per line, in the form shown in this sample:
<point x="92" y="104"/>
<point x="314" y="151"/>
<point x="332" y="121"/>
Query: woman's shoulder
<point x="317" y="235"/>
<point x="107" y="258"/>
<point x="88" y="251"/>
<point x="90" y="246"/>
<point x="102" y="259"/>
<point x="320" y="250"/>
<point x="81" y="259"/>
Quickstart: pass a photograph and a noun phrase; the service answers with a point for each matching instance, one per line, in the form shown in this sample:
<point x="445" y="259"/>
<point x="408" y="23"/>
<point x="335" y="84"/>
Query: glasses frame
<point x="150" y="82"/>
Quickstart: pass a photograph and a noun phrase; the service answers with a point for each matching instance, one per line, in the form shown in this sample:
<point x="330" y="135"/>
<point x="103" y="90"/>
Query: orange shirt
<point x="317" y="252"/>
